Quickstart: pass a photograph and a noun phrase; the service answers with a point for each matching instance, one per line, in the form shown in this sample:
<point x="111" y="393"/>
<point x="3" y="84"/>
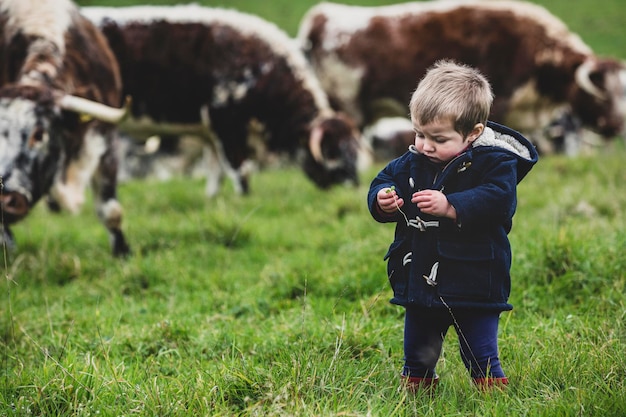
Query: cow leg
<point x="240" y="183"/>
<point x="218" y="165"/>
<point x="95" y="161"/>
<point x="214" y="171"/>
<point x="108" y="208"/>
<point x="234" y="158"/>
<point x="244" y="174"/>
<point x="216" y="160"/>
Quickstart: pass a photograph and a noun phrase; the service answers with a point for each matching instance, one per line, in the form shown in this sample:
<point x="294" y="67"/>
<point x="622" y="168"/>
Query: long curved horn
<point x="583" y="79"/>
<point x="315" y="144"/>
<point x="94" y="109"/>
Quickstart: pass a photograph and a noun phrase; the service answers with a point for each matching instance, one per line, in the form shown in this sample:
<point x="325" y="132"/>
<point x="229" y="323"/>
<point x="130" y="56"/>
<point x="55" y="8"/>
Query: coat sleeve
<point x="384" y="179"/>
<point x="494" y="200"/>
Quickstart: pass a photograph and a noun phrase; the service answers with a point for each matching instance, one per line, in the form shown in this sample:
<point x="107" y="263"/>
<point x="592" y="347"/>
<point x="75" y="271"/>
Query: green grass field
<point x="276" y="304"/>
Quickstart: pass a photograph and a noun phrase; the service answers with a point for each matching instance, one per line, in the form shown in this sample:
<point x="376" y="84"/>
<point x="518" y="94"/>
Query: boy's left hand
<point x="433" y="202"/>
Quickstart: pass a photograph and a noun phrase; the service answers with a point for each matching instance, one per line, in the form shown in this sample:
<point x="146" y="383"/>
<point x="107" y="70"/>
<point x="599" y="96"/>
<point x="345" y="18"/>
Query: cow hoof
<point x="121" y="249"/>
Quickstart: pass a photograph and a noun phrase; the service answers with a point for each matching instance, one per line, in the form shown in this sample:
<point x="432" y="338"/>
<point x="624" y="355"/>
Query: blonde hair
<point x="455" y="92"/>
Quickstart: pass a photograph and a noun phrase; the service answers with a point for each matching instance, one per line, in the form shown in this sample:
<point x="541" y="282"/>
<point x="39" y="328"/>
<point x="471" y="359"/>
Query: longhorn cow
<point x="538" y="68"/>
<point x="59" y="95"/>
<point x="213" y="72"/>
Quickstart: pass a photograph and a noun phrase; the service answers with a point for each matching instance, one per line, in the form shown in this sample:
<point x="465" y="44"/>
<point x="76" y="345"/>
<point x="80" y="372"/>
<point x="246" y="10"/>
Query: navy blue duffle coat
<point x="439" y="262"/>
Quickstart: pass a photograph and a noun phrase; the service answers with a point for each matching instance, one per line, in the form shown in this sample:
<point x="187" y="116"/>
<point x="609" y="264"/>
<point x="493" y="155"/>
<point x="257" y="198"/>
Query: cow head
<point x="334" y="150"/>
<point x="32" y="129"/>
<point x="599" y="97"/>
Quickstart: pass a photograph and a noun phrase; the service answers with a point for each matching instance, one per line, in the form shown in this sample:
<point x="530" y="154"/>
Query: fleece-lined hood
<point x="496" y="135"/>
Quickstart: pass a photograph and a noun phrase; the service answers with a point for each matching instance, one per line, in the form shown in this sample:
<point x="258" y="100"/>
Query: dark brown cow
<point x="537" y="67"/>
<point x="59" y="81"/>
<point x="189" y="68"/>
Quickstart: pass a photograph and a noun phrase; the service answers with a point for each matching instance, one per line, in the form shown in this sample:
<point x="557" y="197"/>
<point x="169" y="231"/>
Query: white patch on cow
<point x="69" y="192"/>
<point x="365" y="156"/>
<point x="531" y="112"/>
<point x="344" y="81"/>
<point x="386" y="128"/>
<point x="225" y="93"/>
<point x="16" y="116"/>
<point x="389" y="137"/>
<point x="244" y="23"/>
<point x="111" y="214"/>
<point x="622" y="97"/>
<point x="615" y="85"/>
<point x="46" y="19"/>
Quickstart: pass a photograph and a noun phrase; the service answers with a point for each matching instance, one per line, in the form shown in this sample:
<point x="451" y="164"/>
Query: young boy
<point x="453" y="196"/>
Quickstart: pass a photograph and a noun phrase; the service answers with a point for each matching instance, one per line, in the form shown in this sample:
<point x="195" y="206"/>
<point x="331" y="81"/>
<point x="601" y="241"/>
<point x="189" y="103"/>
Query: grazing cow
<point x="537" y="67"/>
<point x="213" y="72"/>
<point x="59" y="83"/>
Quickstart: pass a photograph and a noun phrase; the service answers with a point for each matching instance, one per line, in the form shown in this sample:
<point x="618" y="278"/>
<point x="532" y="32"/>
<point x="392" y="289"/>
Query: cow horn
<point x="315" y="144"/>
<point x="583" y="79"/>
<point x="95" y="109"/>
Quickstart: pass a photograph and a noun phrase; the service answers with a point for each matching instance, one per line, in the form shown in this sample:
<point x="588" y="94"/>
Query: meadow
<point x="276" y="304"/>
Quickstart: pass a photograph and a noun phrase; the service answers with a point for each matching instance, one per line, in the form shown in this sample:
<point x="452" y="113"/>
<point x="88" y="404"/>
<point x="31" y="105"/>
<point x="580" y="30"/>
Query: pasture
<point x="277" y="303"/>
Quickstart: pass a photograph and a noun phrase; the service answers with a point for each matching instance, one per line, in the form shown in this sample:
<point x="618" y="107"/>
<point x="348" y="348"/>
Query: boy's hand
<point x="388" y="200"/>
<point x="434" y="202"/>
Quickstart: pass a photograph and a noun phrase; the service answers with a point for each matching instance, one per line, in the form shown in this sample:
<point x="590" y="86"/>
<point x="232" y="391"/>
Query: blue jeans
<point x="425" y="330"/>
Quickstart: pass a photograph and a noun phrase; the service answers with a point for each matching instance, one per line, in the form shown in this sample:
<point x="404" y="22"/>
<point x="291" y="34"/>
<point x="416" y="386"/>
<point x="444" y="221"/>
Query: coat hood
<point x="496" y="135"/>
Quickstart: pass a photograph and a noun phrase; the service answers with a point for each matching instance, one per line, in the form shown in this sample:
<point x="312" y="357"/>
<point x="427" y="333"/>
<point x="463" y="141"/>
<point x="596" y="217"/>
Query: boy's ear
<point x="476" y="132"/>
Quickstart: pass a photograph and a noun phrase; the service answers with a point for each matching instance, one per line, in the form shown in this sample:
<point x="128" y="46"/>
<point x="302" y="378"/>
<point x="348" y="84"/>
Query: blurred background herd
<point x="224" y="89"/>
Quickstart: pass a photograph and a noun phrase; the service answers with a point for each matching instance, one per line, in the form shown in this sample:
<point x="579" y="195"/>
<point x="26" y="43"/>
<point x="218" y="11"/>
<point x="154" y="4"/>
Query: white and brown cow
<point x="537" y="67"/>
<point x="59" y="85"/>
<point x="211" y="71"/>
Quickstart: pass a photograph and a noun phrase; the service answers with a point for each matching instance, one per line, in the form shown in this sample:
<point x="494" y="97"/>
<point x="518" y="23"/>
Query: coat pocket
<point x="398" y="268"/>
<point x="465" y="269"/>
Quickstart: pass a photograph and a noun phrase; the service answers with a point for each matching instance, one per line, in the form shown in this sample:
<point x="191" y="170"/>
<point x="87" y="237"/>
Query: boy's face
<point x="440" y="142"/>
